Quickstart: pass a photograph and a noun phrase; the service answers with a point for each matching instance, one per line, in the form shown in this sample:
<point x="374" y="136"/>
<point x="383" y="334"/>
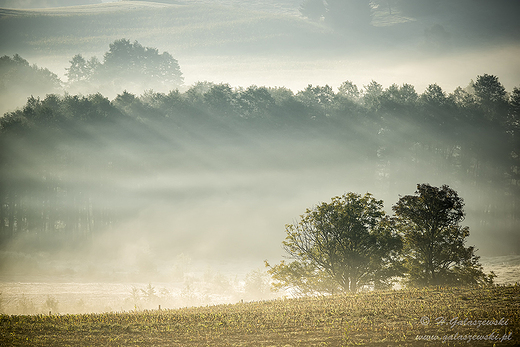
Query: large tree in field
<point x="435" y="250"/>
<point x="340" y="246"/>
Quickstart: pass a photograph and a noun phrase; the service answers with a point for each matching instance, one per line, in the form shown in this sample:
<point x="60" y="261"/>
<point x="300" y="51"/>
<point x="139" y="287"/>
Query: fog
<point x="191" y="197"/>
<point x="448" y="71"/>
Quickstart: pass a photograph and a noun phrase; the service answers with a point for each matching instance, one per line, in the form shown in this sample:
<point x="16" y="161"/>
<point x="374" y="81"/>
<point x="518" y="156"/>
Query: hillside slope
<point x="476" y="317"/>
<point x="186" y="27"/>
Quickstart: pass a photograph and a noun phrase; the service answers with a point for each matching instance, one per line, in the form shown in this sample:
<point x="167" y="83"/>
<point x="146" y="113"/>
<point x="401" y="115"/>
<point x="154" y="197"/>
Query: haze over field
<point x="214" y="172"/>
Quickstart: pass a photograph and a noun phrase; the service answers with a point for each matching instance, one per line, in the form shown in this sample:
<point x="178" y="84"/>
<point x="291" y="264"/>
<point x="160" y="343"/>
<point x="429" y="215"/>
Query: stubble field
<point x="484" y="316"/>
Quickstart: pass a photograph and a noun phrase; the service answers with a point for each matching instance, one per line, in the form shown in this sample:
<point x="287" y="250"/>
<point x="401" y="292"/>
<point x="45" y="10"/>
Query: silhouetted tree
<point x="434" y="96"/>
<point x="437" y="109"/>
<point x="128" y="63"/>
<point x="255" y="102"/>
<point x="372" y="95"/>
<point x="133" y="61"/>
<point x="515" y="106"/>
<point x="398" y="98"/>
<point x="318" y="100"/>
<point x="349" y="90"/>
<point x="514" y="130"/>
<point x="19" y="79"/>
<point x="435" y="248"/>
<point x="341" y="245"/>
<point x="221" y="100"/>
<point x="491" y="95"/>
<point x="78" y="69"/>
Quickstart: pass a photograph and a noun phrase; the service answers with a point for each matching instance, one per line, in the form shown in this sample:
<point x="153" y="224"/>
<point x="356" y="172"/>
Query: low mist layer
<point x="147" y="175"/>
<point x="215" y="173"/>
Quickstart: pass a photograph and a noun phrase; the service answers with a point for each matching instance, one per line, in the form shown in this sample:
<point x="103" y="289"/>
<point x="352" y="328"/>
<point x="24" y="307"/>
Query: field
<point x="243" y="43"/>
<point x="180" y="29"/>
<point x="255" y="42"/>
<point x="392" y="318"/>
<point x="185" y="29"/>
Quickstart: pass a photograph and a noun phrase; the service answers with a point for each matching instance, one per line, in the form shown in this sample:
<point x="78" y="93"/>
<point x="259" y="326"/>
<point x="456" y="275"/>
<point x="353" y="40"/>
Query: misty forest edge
<point x="473" y="132"/>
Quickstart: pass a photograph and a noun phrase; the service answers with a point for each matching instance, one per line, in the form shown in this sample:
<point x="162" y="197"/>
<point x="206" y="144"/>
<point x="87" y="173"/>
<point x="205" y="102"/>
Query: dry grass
<point x="390" y="318"/>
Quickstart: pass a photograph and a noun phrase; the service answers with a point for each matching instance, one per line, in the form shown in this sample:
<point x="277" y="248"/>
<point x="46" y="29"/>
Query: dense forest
<point x="73" y="165"/>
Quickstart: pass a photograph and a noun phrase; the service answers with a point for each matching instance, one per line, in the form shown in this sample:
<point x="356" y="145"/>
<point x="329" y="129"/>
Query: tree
<point x="514" y="131"/>
<point x="397" y="98"/>
<point x="491" y="96"/>
<point x="220" y="100"/>
<point x="437" y="110"/>
<point x="255" y="102"/>
<point x="132" y="60"/>
<point x="319" y="96"/>
<point x="318" y="99"/>
<point x="514" y="116"/>
<point x="349" y="90"/>
<point x="372" y="95"/>
<point x="514" y="108"/>
<point x="435" y="248"/>
<point x="126" y="64"/>
<point x="93" y="67"/>
<point x="434" y="96"/>
<point x="342" y="245"/>
<point x="78" y="69"/>
<point x="19" y="79"/>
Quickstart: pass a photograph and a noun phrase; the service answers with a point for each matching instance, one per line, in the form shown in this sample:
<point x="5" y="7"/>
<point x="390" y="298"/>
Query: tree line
<point x="125" y="65"/>
<point x="469" y="134"/>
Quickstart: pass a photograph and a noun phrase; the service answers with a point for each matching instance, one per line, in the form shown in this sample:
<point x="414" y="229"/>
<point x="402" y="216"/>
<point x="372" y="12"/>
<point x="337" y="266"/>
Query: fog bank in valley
<point x="168" y="143"/>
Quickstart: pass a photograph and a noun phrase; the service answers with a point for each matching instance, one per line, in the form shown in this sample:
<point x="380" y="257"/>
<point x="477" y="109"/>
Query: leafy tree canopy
<point x="127" y="62"/>
<point x="491" y="95"/>
<point x="19" y="79"/>
<point x="17" y="73"/>
<point x="340" y="246"/>
<point x="385" y="127"/>
<point x="435" y="248"/>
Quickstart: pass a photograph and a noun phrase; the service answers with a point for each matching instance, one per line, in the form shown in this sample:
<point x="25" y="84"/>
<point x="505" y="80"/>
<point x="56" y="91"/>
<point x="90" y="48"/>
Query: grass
<point x="390" y="318"/>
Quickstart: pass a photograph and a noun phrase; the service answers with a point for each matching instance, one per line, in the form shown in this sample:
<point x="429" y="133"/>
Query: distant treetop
<point x="127" y="62"/>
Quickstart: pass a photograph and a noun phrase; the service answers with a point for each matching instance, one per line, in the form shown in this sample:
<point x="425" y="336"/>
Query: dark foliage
<point x="18" y="77"/>
<point x="435" y="249"/>
<point x="340" y="246"/>
<point x="61" y="156"/>
<point x="127" y="63"/>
